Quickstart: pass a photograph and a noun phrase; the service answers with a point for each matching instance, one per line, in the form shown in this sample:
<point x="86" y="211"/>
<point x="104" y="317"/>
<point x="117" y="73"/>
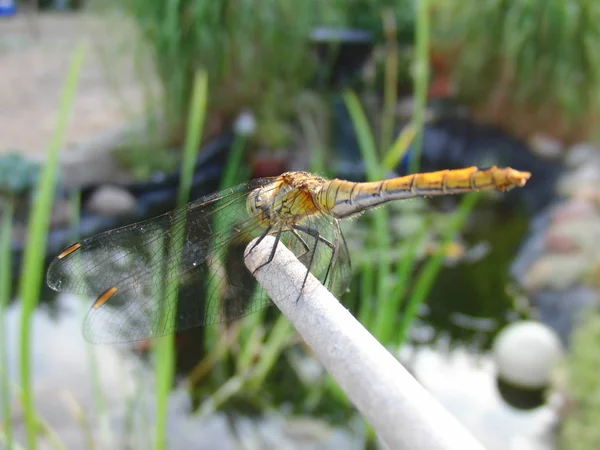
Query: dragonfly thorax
<point x="284" y="202"/>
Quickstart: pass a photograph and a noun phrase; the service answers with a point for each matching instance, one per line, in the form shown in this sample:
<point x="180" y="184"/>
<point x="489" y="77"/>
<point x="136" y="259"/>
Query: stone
<point x="111" y="201"/>
<point x="590" y="193"/>
<point x="92" y="161"/>
<point x="582" y="154"/>
<point x="562" y="309"/>
<point x="405" y="108"/>
<point x="545" y="146"/>
<point x="526" y="353"/>
<point x="586" y="177"/>
<point x="61" y="215"/>
<point x="556" y="271"/>
<point x="575" y="209"/>
<point x="584" y="234"/>
<point x="558" y="243"/>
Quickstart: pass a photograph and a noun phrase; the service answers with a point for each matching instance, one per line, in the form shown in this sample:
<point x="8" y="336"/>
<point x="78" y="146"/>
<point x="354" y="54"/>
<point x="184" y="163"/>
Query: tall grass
<point x="164" y="350"/>
<point x="6" y="217"/>
<point x="381" y="299"/>
<point x="33" y="258"/>
<point x="256" y="58"/>
<point x="374" y="171"/>
<point x="426" y="276"/>
<point x="541" y="55"/>
<point x="421" y="80"/>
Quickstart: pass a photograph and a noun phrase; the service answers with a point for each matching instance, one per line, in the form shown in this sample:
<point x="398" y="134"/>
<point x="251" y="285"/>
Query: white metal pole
<point x="401" y="411"/>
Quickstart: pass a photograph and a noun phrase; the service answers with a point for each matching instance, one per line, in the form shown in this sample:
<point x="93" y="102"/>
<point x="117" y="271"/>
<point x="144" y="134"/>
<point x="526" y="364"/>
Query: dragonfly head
<point x="258" y="206"/>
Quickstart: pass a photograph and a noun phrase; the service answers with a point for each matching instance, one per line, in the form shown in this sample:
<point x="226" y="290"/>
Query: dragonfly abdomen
<point x="344" y="198"/>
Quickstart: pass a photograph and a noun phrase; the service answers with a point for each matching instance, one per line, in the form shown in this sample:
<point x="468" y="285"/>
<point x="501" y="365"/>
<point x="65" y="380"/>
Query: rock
<point x="585" y="178"/>
<point x="111" y="201"/>
<point x="561" y="309"/>
<point x="558" y="243"/>
<point x="556" y="271"/>
<point x="569" y="236"/>
<point x="532" y="249"/>
<point x="545" y="146"/>
<point x="585" y="234"/>
<point x="574" y="210"/>
<point x="405" y="108"/>
<point x="92" y="162"/>
<point x="526" y="352"/>
<point x="582" y="154"/>
<point x="590" y="193"/>
<point x="245" y="124"/>
<point x="61" y="215"/>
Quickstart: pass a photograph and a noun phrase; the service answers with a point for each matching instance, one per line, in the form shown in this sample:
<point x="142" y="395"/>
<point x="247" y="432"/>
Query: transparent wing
<point x="327" y="257"/>
<point x="133" y="271"/>
<point x="132" y="268"/>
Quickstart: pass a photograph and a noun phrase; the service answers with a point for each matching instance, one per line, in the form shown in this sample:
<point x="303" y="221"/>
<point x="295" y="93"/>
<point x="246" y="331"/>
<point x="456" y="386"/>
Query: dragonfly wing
<point x="328" y="260"/>
<point x="342" y="270"/>
<point x="134" y="272"/>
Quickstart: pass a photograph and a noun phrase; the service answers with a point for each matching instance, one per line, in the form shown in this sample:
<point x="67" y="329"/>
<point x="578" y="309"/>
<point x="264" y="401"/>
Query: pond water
<point x="470" y="302"/>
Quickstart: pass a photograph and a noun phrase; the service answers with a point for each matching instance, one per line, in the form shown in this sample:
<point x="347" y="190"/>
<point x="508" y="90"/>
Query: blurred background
<point x="490" y="300"/>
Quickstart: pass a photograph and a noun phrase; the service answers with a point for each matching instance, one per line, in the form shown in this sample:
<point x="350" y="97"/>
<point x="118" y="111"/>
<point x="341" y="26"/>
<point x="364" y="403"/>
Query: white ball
<point x="526" y="352"/>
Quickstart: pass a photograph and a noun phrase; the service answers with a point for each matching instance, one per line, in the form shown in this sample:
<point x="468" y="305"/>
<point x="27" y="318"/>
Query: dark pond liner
<point x="341" y="54"/>
<point x="152" y="198"/>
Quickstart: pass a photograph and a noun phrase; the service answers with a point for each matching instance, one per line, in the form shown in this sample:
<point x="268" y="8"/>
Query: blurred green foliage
<point x="144" y="161"/>
<point x="17" y="174"/>
<point x="258" y="59"/>
<point x="543" y="54"/>
<point x="367" y="15"/>
<point x="579" y="429"/>
<point x="255" y="57"/>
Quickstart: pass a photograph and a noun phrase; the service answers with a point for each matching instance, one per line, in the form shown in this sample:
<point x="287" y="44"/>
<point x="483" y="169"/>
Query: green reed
<point x="533" y="48"/>
<point x="374" y="172"/>
<point x="33" y="257"/>
<point x="92" y="361"/>
<point x="385" y="322"/>
<point x="181" y="35"/>
<point x="391" y="66"/>
<point x="6" y="216"/>
<point x="426" y="276"/>
<point x="164" y="346"/>
<point x="381" y="299"/>
<point x="421" y="80"/>
<point x="250" y="331"/>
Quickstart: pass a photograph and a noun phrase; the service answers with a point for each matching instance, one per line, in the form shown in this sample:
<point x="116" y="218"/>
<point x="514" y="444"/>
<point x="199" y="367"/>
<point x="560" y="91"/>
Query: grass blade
<point x="384" y="325"/>
<point x="431" y="268"/>
<point x="374" y="172"/>
<point x="421" y="80"/>
<point x="5" y="284"/>
<point x="394" y="155"/>
<point x="366" y="141"/>
<point x="278" y="340"/>
<point x="33" y="258"/>
<point x="390" y="89"/>
<point x="164" y="350"/>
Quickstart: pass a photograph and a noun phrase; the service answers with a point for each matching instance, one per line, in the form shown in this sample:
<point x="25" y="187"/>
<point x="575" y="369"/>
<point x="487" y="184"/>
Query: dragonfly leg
<point x="317" y="236"/>
<point x="302" y="241"/>
<point x="262" y="236"/>
<point x="272" y="255"/>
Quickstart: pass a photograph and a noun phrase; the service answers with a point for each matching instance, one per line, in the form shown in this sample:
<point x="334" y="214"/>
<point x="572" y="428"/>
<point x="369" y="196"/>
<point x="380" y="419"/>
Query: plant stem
<point x="5" y="282"/>
<point x="390" y="89"/>
<point x="421" y="80"/>
<point x="164" y="351"/>
<point x="427" y="275"/>
<point x="37" y="233"/>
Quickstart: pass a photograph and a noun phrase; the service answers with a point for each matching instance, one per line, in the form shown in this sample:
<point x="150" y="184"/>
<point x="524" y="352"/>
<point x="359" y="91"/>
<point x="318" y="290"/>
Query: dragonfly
<point x="137" y="276"/>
